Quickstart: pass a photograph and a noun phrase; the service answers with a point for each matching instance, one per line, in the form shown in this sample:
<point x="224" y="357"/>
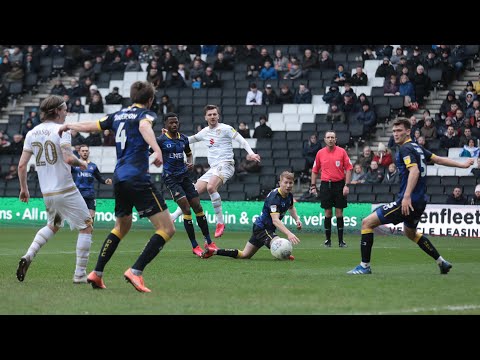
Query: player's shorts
<point x="144" y="196"/>
<point x="261" y="237"/>
<point x="331" y="195"/>
<point x="223" y="170"/>
<point x="180" y="186"/>
<point x="91" y="204"/>
<point x="68" y="206"/>
<point x="392" y="213"/>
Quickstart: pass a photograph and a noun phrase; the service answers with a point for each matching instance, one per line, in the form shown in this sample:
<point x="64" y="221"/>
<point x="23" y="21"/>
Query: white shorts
<point x="71" y="207"/>
<point x="223" y="170"/>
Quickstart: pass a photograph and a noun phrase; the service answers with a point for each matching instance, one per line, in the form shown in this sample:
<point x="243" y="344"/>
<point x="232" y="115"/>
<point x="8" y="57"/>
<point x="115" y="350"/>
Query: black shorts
<point x="261" y="237"/>
<point x="180" y="186"/>
<point x="91" y="204"/>
<point x="392" y="213"/>
<point x="331" y="195"/>
<point x="145" y="197"/>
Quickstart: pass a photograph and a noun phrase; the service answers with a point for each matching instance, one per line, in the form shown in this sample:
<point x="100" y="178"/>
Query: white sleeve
<point x="197" y="137"/>
<point x="240" y="139"/>
<point x="66" y="139"/>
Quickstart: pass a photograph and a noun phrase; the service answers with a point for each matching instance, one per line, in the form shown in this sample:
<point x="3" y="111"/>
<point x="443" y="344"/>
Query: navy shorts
<point x="91" y="204"/>
<point x="392" y="213"/>
<point x="180" y="186"/>
<point x="261" y="237"/>
<point x="331" y="195"/>
<point x="145" y="197"/>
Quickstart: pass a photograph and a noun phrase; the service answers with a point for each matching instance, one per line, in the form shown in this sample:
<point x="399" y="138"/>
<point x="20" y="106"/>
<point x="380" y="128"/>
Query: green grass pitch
<point x="404" y="280"/>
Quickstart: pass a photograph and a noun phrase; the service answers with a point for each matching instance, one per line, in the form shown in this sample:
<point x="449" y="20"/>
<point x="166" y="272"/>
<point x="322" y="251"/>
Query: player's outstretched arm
<point x="70" y="158"/>
<point x="87" y="126"/>
<point x="279" y="225"/>
<point x="440" y="160"/>
<point x="293" y="213"/>
<point x="245" y="145"/>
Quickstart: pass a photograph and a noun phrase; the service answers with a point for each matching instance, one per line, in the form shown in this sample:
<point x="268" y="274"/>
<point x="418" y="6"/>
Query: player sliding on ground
<point x="276" y="204"/>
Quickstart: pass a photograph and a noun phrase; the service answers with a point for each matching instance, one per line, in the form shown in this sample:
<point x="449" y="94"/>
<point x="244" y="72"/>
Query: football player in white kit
<point x="218" y="138"/>
<point x="54" y="158"/>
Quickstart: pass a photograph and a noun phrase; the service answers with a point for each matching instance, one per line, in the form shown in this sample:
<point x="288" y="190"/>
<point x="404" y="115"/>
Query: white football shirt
<point x="54" y="174"/>
<point x="219" y="143"/>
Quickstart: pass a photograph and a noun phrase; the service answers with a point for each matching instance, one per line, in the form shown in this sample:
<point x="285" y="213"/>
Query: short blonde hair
<point x="287" y="174"/>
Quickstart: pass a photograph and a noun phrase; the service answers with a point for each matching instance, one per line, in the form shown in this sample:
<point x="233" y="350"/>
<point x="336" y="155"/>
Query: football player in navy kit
<point x="276" y="204"/>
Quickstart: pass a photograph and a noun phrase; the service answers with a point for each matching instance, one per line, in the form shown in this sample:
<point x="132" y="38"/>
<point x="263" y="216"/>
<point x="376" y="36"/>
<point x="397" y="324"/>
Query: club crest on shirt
<point x="218" y="131"/>
<point x="337" y="163"/>
<point x="273" y="208"/>
<point x="407" y="160"/>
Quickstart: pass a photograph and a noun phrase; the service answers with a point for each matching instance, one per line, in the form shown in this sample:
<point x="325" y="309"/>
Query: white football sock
<point x="84" y="242"/>
<point x="40" y="239"/>
<point x="217" y="206"/>
<point x="176" y="214"/>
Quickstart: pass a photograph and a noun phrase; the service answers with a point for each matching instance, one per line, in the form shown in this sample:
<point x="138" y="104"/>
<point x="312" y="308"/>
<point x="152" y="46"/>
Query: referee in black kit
<point x="336" y="172"/>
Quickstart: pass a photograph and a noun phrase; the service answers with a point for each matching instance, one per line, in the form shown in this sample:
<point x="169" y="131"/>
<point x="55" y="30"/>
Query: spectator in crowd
<point x="349" y="91"/>
<point x="12" y="173"/>
<point x="254" y="96"/>
<point x="367" y="118"/>
<point x="422" y="85"/>
<point x="392" y="176"/>
<point x="334" y="114"/>
<point x="269" y="95"/>
<point x="374" y="174"/>
<point x="475" y="200"/>
<point x="369" y="54"/>
<point x="429" y="131"/>
<point x="108" y="138"/>
<point x="155" y="78"/>
<point x="222" y="64"/>
<point x="456" y="197"/>
<point x="96" y="106"/>
<point x="243" y="130"/>
<point x="476" y="128"/>
<point x="280" y="62"/>
<point x="449" y="140"/>
<point x="466" y="137"/>
<point x="303" y="95"/>
<point x="406" y="89"/>
<point x="359" y="78"/>
<point x="32" y="174"/>
<point x="166" y="105"/>
<point x="395" y="58"/>
<point x="114" y="97"/>
<point x="27" y="127"/>
<point x="333" y="95"/>
<point x="385" y="69"/>
<point x="391" y="88"/>
<point x="16" y="146"/>
<point x="263" y="131"/>
<point x="285" y="96"/>
<point x="447" y="105"/>
<point x="365" y="158"/>
<point x="209" y="78"/>
<point x="325" y="62"/>
<point x="133" y="65"/>
<point x="309" y="62"/>
<point x="340" y="76"/>
<point x="268" y="72"/>
<point x="310" y="150"/>
<point x="77" y="138"/>
<point x="58" y="88"/>
<point x="470" y="150"/>
<point x="383" y="157"/>
<point x="77" y="107"/>
<point x="358" y="175"/>
<point x="295" y="71"/>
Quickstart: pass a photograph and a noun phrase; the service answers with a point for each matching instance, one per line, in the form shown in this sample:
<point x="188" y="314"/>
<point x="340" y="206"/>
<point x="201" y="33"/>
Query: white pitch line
<point x="453" y="308"/>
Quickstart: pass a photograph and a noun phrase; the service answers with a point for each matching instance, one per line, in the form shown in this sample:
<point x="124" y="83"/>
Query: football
<point x="281" y="248"/>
